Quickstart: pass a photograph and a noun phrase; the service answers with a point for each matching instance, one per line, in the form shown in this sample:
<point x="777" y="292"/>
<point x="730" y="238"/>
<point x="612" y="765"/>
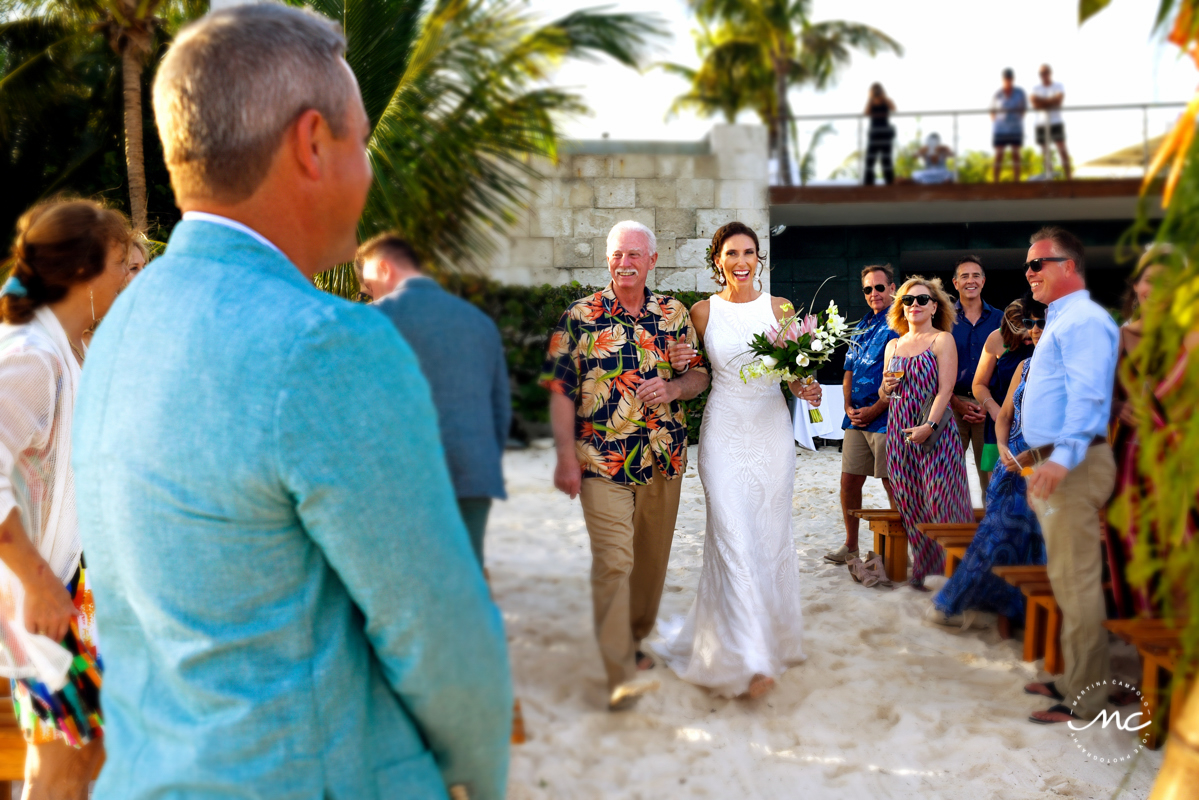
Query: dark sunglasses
<point x="878" y="287"/>
<point x="1030" y="323"/>
<point x="1037" y="263"/>
<point x="920" y="299"/>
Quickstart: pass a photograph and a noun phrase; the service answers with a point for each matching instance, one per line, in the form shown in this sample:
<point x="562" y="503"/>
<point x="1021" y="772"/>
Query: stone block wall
<point x="684" y="191"/>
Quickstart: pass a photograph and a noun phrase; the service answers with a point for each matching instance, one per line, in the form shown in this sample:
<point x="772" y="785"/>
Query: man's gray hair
<point x="231" y="85"/>
<point x="631" y="226"/>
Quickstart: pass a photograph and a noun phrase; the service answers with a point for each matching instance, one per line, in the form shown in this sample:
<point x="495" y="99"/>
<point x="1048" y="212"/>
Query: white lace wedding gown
<point x="746" y="618"/>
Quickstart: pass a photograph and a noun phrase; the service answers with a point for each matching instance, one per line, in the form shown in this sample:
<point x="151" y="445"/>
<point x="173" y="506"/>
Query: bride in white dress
<point x="745" y="627"/>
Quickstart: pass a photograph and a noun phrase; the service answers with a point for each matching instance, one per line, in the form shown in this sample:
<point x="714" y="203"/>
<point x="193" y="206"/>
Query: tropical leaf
<point x="458" y="96"/>
<point x="1089" y="8"/>
<point x="595" y="391"/>
<point x="625" y="419"/>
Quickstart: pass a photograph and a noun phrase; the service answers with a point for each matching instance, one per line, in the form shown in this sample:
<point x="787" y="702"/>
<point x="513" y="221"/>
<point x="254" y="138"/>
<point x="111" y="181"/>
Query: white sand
<point x="885" y="706"/>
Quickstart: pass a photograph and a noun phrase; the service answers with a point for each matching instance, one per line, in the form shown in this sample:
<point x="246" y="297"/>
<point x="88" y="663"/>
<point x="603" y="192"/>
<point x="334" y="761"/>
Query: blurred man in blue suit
<point x="462" y="357"/>
<point x="289" y="601"/>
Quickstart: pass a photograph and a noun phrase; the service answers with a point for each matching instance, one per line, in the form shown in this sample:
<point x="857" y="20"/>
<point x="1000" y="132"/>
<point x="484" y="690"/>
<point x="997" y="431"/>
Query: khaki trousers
<point x="631" y="528"/>
<point x="972" y="434"/>
<point x="1070" y="523"/>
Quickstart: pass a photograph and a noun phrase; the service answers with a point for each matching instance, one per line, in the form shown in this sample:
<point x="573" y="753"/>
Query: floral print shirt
<point x="598" y="355"/>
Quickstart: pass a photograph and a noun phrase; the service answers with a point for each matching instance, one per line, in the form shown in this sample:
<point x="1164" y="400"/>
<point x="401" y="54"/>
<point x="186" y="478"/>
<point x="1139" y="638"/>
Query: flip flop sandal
<point x="1054" y="694"/>
<point x="1058" y="709"/>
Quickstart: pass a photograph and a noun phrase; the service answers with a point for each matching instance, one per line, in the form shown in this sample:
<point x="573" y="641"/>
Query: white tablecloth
<point x="832" y="408"/>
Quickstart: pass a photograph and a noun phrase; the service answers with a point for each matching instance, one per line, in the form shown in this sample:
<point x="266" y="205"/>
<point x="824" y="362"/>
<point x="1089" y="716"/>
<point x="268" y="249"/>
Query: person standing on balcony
<point x="881" y="136"/>
<point x="976" y="320"/>
<point x="1047" y="96"/>
<point x="1008" y="107"/>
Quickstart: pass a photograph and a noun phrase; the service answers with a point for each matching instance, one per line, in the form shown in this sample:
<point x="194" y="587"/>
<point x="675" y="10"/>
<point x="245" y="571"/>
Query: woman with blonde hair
<point x="925" y="458"/>
<point x="69" y="262"/>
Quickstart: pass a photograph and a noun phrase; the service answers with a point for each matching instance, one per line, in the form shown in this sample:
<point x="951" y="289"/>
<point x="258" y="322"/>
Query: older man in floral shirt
<point x="621" y="439"/>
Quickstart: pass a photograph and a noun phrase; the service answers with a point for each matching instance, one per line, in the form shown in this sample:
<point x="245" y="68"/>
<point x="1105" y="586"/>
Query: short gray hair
<point x="231" y="85"/>
<point x="631" y="226"/>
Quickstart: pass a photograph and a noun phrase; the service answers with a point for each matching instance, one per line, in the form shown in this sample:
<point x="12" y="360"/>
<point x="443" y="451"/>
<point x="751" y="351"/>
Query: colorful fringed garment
<point x="71" y="714"/>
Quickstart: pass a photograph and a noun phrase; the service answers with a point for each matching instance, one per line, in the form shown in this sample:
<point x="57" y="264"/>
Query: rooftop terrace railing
<point x="1100" y="130"/>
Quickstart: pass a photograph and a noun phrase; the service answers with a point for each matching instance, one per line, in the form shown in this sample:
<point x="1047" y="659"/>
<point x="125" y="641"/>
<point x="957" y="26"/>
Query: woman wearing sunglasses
<point x="929" y="481"/>
<point x="1009" y="533"/>
<point x="1006" y="347"/>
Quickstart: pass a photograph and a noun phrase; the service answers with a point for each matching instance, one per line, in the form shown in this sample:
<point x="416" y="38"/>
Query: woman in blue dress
<point x="1009" y="533"/>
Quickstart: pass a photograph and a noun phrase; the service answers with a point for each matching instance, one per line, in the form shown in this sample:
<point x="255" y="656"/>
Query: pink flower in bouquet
<point x="809" y="324"/>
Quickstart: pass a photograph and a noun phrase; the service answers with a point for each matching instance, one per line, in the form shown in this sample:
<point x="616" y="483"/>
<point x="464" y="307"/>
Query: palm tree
<point x="71" y="92"/>
<point x="732" y="76"/>
<point x="459" y="105"/>
<point x="774" y="38"/>
<point x="129" y="26"/>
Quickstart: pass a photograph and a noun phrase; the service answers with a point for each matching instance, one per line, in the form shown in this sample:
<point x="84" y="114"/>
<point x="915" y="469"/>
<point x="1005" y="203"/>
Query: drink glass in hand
<point x="897" y="374"/>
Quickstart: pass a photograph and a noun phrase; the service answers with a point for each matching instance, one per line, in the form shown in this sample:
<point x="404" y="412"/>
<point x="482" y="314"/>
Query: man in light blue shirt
<point x="1067" y="402"/>
<point x="290" y="605"/>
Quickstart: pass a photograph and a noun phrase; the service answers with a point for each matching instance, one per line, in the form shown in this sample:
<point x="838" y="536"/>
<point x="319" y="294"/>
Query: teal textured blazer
<point x="287" y="600"/>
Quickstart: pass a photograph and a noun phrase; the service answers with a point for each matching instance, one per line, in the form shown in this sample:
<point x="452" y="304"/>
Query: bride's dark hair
<point x="723" y="234"/>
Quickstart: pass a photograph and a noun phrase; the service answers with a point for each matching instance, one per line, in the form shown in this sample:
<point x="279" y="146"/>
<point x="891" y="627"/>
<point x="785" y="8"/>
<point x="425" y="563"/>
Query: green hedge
<point x="526" y="316"/>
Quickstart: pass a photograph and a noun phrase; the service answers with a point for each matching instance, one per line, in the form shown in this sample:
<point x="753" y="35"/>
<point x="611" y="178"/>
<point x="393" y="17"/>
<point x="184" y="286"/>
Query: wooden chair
<point x="1157" y="642"/>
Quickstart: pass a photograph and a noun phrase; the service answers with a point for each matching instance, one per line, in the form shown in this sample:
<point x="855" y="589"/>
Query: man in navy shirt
<point x="864" y="451"/>
<point x="975" y="321"/>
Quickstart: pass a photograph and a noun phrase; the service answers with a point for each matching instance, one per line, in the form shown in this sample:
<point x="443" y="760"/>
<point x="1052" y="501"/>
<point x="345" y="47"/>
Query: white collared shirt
<point x="216" y="219"/>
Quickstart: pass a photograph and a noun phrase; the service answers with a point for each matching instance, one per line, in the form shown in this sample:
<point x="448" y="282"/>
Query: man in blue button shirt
<point x="864" y="451"/>
<point x="1067" y="401"/>
<point x="975" y="321"/>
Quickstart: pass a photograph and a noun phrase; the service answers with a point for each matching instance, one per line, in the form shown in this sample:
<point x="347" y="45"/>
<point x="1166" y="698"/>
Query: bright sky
<point x="954" y="53"/>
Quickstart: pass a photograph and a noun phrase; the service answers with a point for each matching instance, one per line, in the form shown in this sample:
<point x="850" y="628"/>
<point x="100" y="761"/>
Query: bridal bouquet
<point x="797" y="346"/>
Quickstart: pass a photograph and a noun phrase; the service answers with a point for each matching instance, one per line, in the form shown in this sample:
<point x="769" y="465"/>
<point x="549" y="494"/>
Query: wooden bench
<point x="890" y="539"/>
<point x="1157" y="642"/>
<point x="954" y="537"/>
<point x="12" y="744"/>
<point x="1042" y="626"/>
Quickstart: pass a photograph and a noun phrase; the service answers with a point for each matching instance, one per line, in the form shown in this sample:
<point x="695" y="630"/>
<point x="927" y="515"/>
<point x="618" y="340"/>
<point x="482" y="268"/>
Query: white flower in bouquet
<point x="817" y="344"/>
<point x="802" y="361"/>
<point x="770" y="362"/>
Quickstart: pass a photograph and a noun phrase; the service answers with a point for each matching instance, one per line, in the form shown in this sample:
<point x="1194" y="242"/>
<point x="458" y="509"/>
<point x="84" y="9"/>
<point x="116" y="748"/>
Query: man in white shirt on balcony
<point x="1047" y="96"/>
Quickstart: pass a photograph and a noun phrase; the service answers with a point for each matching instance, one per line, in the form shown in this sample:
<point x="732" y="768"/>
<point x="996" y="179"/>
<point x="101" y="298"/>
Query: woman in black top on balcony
<point x="881" y="135"/>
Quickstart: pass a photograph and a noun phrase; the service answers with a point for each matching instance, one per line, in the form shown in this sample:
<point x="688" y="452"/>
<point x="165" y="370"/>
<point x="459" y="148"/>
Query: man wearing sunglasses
<point x="1067" y="400"/>
<point x="864" y="451"/>
<point x="976" y="320"/>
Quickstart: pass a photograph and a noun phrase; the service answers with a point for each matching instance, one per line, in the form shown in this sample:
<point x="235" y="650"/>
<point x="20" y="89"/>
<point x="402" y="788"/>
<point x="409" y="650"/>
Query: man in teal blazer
<point x="288" y="600"/>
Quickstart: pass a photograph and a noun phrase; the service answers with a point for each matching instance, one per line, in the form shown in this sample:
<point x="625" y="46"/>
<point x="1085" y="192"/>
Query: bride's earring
<point x="92" y="299"/>
<point x="758" y="279"/>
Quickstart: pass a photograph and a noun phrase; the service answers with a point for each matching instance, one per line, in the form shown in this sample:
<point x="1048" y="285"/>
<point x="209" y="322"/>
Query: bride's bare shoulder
<point x="782" y="307"/>
<point x="700" y="310"/>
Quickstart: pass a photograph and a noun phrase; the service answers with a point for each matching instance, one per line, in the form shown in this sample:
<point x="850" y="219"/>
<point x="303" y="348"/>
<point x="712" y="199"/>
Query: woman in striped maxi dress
<point x="922" y="363"/>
